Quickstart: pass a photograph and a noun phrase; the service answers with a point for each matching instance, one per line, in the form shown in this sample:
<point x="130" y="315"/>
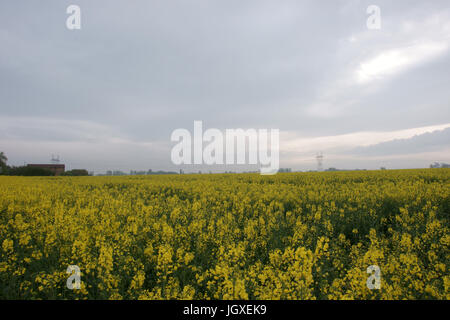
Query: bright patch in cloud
<point x="395" y="61"/>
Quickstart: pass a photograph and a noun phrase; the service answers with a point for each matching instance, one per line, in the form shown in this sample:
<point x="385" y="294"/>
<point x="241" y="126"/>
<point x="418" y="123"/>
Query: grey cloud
<point x="145" y="68"/>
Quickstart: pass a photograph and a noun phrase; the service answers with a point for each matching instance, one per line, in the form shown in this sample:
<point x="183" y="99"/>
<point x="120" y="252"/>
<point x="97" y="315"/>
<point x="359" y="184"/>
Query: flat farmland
<point x="228" y="236"/>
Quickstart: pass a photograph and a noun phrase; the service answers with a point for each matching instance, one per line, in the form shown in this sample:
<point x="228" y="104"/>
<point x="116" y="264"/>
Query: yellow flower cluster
<point x="227" y="236"/>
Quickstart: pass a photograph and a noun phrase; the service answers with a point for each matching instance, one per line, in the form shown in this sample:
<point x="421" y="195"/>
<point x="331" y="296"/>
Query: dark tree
<point x="3" y="160"/>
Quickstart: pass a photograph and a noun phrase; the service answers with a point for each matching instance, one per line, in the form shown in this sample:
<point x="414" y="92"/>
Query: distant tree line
<point x="135" y="172"/>
<point x="26" y="171"/>
<point x="36" y="171"/>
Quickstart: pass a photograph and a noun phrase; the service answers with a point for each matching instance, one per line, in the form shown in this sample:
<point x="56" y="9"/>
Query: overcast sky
<point x="109" y="96"/>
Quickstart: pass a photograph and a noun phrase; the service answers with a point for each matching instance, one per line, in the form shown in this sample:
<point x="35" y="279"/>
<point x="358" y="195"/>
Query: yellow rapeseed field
<point x="227" y="236"/>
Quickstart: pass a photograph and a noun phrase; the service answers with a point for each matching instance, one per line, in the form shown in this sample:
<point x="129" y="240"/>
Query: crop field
<point x="227" y="236"/>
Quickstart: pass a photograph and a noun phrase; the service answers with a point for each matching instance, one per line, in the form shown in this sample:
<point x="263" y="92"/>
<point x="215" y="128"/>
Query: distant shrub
<point x="76" y="172"/>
